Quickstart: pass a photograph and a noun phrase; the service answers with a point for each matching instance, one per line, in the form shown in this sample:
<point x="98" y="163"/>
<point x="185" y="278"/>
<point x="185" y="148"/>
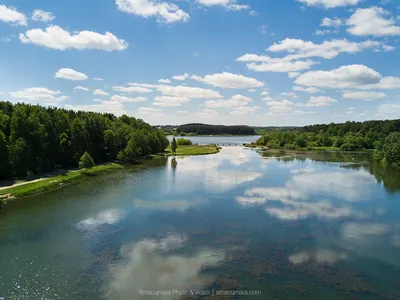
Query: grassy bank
<point x="194" y="150"/>
<point x="46" y="184"/>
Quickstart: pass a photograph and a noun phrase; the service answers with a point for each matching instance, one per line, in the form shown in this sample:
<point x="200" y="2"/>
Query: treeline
<point x="381" y="136"/>
<point x="36" y="139"/>
<point x="205" y="129"/>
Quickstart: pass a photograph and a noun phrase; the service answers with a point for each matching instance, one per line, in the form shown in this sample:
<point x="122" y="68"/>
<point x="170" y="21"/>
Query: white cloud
<point x="170" y="101"/>
<point x="188" y="92"/>
<point x="183" y="112"/>
<point x="101" y="106"/>
<point x="207" y="113"/>
<point x="293" y="74"/>
<point x="164" y="81"/>
<point x="366" y="96"/>
<point x="351" y="76"/>
<point x="372" y="21"/>
<point x="131" y="89"/>
<point x="229" y="80"/>
<point x="181" y="77"/>
<point x="11" y="15"/>
<point x="152" y="265"/>
<point x="327" y="22"/>
<point x="328" y="49"/>
<point x="281" y="65"/>
<point x="39" y="94"/>
<point x="100" y="92"/>
<point x="389" y="109"/>
<point x="282" y="107"/>
<point x="163" y="11"/>
<point x="264" y="93"/>
<point x="43" y="16"/>
<point x="325" y="32"/>
<point x="123" y="99"/>
<point x="70" y="74"/>
<point x="267" y="98"/>
<point x="150" y="111"/>
<point x="320" y="101"/>
<point x="290" y="94"/>
<point x="235" y="101"/>
<point x="244" y="110"/>
<point x="98" y="79"/>
<point x="228" y="4"/>
<point x="81" y="88"/>
<point x="310" y="90"/>
<point x="329" y="3"/>
<point x="55" y="37"/>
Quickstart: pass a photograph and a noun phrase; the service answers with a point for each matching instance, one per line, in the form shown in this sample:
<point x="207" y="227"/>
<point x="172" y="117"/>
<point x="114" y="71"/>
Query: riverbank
<point x="29" y="188"/>
<point x="194" y="150"/>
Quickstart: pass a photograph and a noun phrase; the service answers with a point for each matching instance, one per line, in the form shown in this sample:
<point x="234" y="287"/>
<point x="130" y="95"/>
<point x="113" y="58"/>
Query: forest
<point x="206" y="129"/>
<point x="35" y="139"/>
<point x="381" y="136"/>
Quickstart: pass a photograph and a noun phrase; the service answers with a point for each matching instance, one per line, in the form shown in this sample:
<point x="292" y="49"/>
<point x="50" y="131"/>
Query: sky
<point x="254" y="62"/>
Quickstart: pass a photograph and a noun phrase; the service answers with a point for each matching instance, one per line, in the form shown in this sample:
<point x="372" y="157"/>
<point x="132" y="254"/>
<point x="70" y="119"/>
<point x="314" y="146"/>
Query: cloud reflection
<point x="321" y="256"/>
<point x="149" y="265"/>
<point x="110" y="217"/>
<point x="166" y="205"/>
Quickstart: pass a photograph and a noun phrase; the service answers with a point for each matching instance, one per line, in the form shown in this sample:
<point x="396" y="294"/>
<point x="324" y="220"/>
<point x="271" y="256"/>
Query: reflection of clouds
<point x="396" y="240"/>
<point x="165" y="205"/>
<point x="110" y="217"/>
<point x="322" y="256"/>
<point x="221" y="171"/>
<point x="304" y="170"/>
<point x="293" y="208"/>
<point x="360" y="232"/>
<point x="148" y="266"/>
<point x="350" y="186"/>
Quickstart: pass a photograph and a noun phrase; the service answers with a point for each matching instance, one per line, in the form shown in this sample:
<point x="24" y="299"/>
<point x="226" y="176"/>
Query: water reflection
<point x="151" y="266"/>
<point x="166" y="205"/>
<point x="322" y="256"/>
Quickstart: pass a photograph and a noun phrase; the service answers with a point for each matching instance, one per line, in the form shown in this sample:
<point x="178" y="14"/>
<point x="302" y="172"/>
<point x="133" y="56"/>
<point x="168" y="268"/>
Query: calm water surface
<point x="221" y="140"/>
<point x="304" y="226"/>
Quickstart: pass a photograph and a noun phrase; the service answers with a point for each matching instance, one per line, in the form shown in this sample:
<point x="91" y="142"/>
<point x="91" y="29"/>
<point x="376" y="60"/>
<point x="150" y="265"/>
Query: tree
<point x="184" y="142"/>
<point x="86" y="162"/>
<point x="130" y="153"/>
<point x="174" y="145"/>
<point x="4" y="162"/>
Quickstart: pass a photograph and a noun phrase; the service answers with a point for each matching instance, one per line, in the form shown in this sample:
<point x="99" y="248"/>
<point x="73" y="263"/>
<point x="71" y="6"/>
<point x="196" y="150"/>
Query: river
<point x="220" y="140"/>
<point x="282" y="226"/>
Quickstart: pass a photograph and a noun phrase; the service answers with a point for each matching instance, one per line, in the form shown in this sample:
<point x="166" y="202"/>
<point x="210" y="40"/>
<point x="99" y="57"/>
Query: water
<point x="221" y="140"/>
<point x="288" y="226"/>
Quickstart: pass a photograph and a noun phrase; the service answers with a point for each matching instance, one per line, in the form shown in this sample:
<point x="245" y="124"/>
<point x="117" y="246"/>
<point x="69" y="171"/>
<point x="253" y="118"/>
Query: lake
<point x="280" y="226"/>
<point x="220" y="140"/>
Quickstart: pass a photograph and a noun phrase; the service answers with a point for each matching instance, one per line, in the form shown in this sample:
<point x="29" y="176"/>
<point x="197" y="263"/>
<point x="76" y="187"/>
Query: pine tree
<point x="174" y="145"/>
<point x="86" y="162"/>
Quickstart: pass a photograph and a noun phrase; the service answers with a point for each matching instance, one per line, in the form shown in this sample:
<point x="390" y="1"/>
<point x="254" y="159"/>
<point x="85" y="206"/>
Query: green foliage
<point x="174" y="145"/>
<point x="205" y="129"/>
<point x="130" y="153"/>
<point x="196" y="150"/>
<point x="86" y="162"/>
<point x="39" y="138"/>
<point x="184" y="142"/>
<point x="383" y="136"/>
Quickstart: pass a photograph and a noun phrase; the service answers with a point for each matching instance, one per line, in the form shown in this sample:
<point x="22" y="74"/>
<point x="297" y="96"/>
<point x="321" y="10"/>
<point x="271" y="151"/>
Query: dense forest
<point x="205" y="129"/>
<point x="36" y="139"/>
<point x="381" y="136"/>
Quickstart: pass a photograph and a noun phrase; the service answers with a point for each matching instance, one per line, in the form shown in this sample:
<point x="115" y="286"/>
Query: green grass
<point x="54" y="182"/>
<point x="194" y="150"/>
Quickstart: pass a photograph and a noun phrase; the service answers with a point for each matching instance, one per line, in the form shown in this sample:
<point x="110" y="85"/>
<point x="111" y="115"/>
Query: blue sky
<point x="287" y="62"/>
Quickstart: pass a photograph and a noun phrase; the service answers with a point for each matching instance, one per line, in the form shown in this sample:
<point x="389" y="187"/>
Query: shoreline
<point x="28" y="188"/>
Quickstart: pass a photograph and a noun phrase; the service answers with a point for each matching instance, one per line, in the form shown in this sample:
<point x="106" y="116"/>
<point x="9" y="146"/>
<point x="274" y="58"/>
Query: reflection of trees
<point x="389" y="175"/>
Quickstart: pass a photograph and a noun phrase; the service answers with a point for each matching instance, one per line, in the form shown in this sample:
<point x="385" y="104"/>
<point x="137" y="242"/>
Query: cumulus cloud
<point x="150" y="111"/>
<point x="170" y="101"/>
<point x="244" y="110"/>
<point x="164" y="11"/>
<point x="131" y="89"/>
<point x="70" y="74"/>
<point x="329" y="3"/>
<point x="228" y="4"/>
<point x="39" y="94"/>
<point x="269" y="64"/>
<point x="188" y="92"/>
<point x="229" y="80"/>
<point x="55" y="37"/>
<point x="289" y="94"/>
<point x="293" y="74"/>
<point x="81" y="88"/>
<point x="43" y="16"/>
<point x="100" y="106"/>
<point x="164" y="81"/>
<point x="235" y="101"/>
<point x="123" y="99"/>
<point x="149" y="265"/>
<point x="327" y="22"/>
<point x="310" y="90"/>
<point x="320" y="101"/>
<point x="363" y="95"/>
<point x="181" y="77"/>
<point x="374" y="21"/>
<point x="351" y="76"/>
<point x="100" y="92"/>
<point x="12" y="15"/>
